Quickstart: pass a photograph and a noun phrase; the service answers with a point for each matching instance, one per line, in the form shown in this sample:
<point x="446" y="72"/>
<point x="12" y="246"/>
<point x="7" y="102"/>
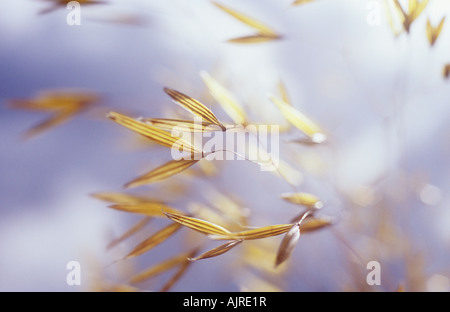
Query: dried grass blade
<point x="194" y="106"/>
<point x="154" y="240"/>
<point x="134" y="229"/>
<point x="225" y="99"/>
<point x="198" y="225"/>
<point x="263" y="29"/>
<point x="157" y="135"/>
<point x="159" y="268"/>
<point x="258" y="233"/>
<point x="154" y="209"/>
<point x="162" y="172"/>
<point x="287" y="244"/>
<point x="184" y="266"/>
<point x="300" y="121"/>
<point x="254" y="39"/>
<point x="181" y="125"/>
<point x="304" y="199"/>
<point x="218" y="250"/>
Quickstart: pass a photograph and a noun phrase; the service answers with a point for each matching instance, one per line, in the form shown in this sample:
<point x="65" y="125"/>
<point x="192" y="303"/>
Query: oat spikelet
<point x="287" y="244"/>
<point x="153" y="209"/>
<point x="121" y="198"/>
<point x="284" y="93"/>
<point x="182" y="269"/>
<point x="446" y="71"/>
<point x="290" y="240"/>
<point x="194" y="106"/>
<point x="304" y="199"/>
<point x="135" y="204"/>
<point x="401" y="13"/>
<point x="264" y="33"/>
<point x="225" y="98"/>
<point x="314" y="224"/>
<point x="154" y="240"/>
<point x="181" y="125"/>
<point x="262" y="29"/>
<point x="162" y="172"/>
<point x="218" y="250"/>
<point x="253" y="39"/>
<point x="159" y="268"/>
<point x="198" y="225"/>
<point x="134" y="229"/>
<point x="258" y="233"/>
<point x="63" y="105"/>
<point x="157" y="135"/>
<point x="395" y="27"/>
<point x="434" y="32"/>
<point x="300" y="120"/>
<point x="415" y="8"/>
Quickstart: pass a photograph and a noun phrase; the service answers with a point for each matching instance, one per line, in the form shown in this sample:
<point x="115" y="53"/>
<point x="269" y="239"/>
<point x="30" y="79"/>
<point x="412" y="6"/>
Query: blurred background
<point x="383" y="174"/>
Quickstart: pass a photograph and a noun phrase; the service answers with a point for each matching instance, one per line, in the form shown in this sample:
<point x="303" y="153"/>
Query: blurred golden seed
<point x="182" y="269"/>
<point x="434" y="32"/>
<point x="314" y="224"/>
<point x="121" y="198"/>
<point x="300" y="120"/>
<point x="225" y="98"/>
<point x="446" y="71"/>
<point x="63" y="104"/>
<point x="254" y="39"/>
<point x="154" y="209"/>
<point x="217" y="251"/>
<point x="134" y="229"/>
<point x="162" y="172"/>
<point x="299" y="2"/>
<point x="159" y="268"/>
<point x="262" y="29"/>
<point x="304" y="199"/>
<point x="154" y="240"/>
